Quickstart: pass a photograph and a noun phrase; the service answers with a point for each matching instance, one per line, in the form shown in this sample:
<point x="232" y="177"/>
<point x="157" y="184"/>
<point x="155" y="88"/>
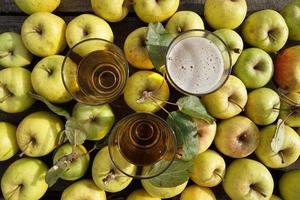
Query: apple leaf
<point x="157" y="41"/>
<point x="192" y="106"/>
<point x="75" y="133"/>
<point x="178" y="173"/>
<point x="277" y="140"/>
<point x="186" y="134"/>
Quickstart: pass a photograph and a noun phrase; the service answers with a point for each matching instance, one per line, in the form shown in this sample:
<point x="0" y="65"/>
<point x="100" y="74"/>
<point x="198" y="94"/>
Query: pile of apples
<point x="247" y="107"/>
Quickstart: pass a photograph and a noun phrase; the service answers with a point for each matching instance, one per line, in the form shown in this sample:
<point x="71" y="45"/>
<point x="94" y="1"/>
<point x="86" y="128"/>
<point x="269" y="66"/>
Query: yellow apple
<point x="197" y="193"/>
<point x="33" y="6"/>
<point x="8" y="142"/>
<point x="141" y="194"/>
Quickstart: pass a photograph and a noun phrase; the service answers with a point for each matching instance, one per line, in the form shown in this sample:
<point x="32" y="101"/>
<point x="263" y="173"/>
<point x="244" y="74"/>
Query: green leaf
<point x="278" y="139"/>
<point x="186" y="134"/>
<point x="192" y="106"/>
<point x="57" y="110"/>
<point x="75" y="133"/>
<point x="178" y="173"/>
<point x="157" y="43"/>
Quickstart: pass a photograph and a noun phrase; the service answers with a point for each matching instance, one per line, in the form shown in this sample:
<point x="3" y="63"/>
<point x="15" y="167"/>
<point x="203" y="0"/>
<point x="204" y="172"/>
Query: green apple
<point x="8" y="142"/>
<point x="43" y="34"/>
<point x="247" y="179"/>
<point x="37" y="134"/>
<point x="227" y="101"/>
<point x="206" y="133"/>
<point x="14" y="87"/>
<point x="208" y="169"/>
<point x="184" y="20"/>
<point x="288" y="153"/>
<point x="288" y="112"/>
<point x="289" y="185"/>
<point x="263" y="106"/>
<point x="274" y="197"/>
<point x="163" y="192"/>
<point x="155" y="10"/>
<point x="196" y="192"/>
<point x="291" y="15"/>
<point x="146" y="91"/>
<point x="96" y="120"/>
<point x="111" y="10"/>
<point x="237" y="137"/>
<point x="106" y="176"/>
<point x="225" y="13"/>
<point x="83" y="189"/>
<point x="233" y="41"/>
<point x="33" y="6"/>
<point x="141" y="194"/>
<point x="47" y="81"/>
<point x="254" y="67"/>
<point x="24" y="179"/>
<point x="13" y="53"/>
<point x="265" y="29"/>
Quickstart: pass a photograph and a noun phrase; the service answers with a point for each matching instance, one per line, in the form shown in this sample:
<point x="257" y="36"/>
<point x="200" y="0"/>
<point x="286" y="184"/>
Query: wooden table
<point x="11" y="19"/>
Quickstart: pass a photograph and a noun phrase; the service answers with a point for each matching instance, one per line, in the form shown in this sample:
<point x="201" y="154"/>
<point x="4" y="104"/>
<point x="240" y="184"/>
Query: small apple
<point x="289" y="111"/>
<point x="263" y="106"/>
<point x="225" y="13"/>
<point x="24" y="179"/>
<point x="33" y="6"/>
<point x="182" y="21"/>
<point x="248" y="179"/>
<point x="14" y="87"/>
<point x="265" y="29"/>
<point x="141" y="194"/>
<point x="274" y="197"/>
<point x="37" y="134"/>
<point x="208" y="169"/>
<point x="289" y="185"/>
<point x="13" y="53"/>
<point x="155" y="10"/>
<point x="288" y="153"/>
<point x="83" y="189"/>
<point x="146" y="91"/>
<point x="291" y="15"/>
<point x="111" y="10"/>
<point x="8" y="142"/>
<point x="196" y="192"/>
<point x="254" y="67"/>
<point x="96" y="120"/>
<point x="43" y="34"/>
<point x="227" y="101"/>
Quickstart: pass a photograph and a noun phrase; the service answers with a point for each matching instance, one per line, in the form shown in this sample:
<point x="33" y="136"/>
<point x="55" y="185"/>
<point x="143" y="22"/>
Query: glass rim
<point x="228" y="71"/>
<point x="67" y="56"/>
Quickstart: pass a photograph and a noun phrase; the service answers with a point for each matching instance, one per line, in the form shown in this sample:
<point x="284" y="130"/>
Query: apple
<point x="106" y="176"/>
<point x="8" y="142"/>
<point x="227" y="101"/>
<point x="146" y="91"/>
<point x="288" y="112"/>
<point x="289" y="185"/>
<point x="141" y="194"/>
<point x="33" y="6"/>
<point x="182" y="21"/>
<point x="208" y="169"/>
<point x="43" y="34"/>
<point x="265" y="29"/>
<point x="288" y="153"/>
<point x="37" y="134"/>
<point x="225" y="13"/>
<point x="248" y="179"/>
<point x="163" y="192"/>
<point x="291" y="15"/>
<point x="263" y="106"/>
<point x="155" y="10"/>
<point x="233" y="41"/>
<point x="83" y="189"/>
<point x="196" y="192"/>
<point x="287" y="67"/>
<point x="47" y="81"/>
<point x="13" y="53"/>
<point x="237" y="137"/>
<point x="111" y="10"/>
<point x="14" y="87"/>
<point x="274" y="197"/>
<point x="24" y="179"/>
<point x="206" y="133"/>
<point x="96" y="120"/>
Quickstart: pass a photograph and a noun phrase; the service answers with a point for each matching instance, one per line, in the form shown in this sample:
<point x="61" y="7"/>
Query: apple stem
<point x="281" y="156"/>
<point x="237" y="51"/>
<point x="256" y="189"/>
<point x="14" y="190"/>
<point x="110" y="176"/>
<point x="232" y="101"/>
<point x="26" y="147"/>
<point x="272" y="36"/>
<point x="219" y="175"/>
<point x="4" y="54"/>
<point x="6" y="93"/>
